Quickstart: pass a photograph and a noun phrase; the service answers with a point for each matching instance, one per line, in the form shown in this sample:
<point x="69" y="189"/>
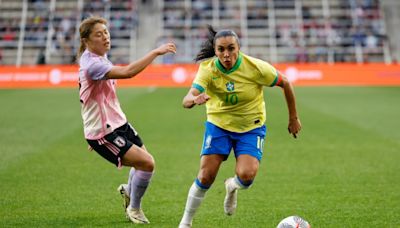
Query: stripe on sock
<point x="200" y="185"/>
<point x="244" y="184"/>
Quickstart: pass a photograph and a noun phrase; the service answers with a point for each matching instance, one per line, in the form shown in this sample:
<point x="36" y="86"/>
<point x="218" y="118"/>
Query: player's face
<point x="99" y="40"/>
<point x="227" y="51"/>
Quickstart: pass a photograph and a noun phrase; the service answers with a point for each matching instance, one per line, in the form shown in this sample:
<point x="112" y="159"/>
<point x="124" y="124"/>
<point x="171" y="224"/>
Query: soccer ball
<point x="294" y="221"/>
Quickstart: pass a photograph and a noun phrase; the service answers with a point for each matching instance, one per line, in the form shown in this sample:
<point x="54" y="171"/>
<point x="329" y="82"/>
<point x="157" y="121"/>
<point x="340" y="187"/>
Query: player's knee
<point x="247" y="176"/>
<point x="206" y="178"/>
<point x="149" y="164"/>
<point x="206" y="181"/>
<point x="145" y="164"/>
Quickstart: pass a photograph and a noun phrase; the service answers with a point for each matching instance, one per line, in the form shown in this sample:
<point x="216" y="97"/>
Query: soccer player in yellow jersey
<point x="231" y="83"/>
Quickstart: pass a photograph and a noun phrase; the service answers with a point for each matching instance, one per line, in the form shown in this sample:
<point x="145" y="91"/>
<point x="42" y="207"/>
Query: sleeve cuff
<point x="277" y="81"/>
<point x="198" y="87"/>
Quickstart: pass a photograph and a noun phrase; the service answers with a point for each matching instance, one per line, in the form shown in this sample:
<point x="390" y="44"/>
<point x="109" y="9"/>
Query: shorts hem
<point x="254" y="156"/>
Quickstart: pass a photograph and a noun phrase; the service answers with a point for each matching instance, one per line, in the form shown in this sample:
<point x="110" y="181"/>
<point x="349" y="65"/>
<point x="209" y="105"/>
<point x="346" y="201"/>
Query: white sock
<point x="195" y="197"/>
<point x="131" y="173"/>
<point x="234" y="183"/>
<point x="139" y="184"/>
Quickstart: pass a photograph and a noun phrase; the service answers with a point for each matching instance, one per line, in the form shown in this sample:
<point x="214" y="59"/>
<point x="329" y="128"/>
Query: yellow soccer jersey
<point x="236" y="96"/>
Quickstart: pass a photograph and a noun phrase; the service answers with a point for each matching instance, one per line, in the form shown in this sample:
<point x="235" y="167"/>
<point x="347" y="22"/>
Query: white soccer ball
<point x="294" y="221"/>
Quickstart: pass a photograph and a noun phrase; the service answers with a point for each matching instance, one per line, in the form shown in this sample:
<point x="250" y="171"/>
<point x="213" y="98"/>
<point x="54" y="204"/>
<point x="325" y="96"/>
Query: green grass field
<point x="342" y="171"/>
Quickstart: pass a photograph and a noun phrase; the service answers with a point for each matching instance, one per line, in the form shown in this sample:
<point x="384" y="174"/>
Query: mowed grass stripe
<point x="337" y="174"/>
<point x="33" y="119"/>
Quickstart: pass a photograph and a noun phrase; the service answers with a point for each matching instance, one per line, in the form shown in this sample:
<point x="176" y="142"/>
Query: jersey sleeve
<point x="98" y="69"/>
<point x="269" y="75"/>
<point x="202" y="79"/>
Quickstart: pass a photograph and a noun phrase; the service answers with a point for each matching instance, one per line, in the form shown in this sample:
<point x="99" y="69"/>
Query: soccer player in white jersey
<point x="231" y="84"/>
<point x="106" y="128"/>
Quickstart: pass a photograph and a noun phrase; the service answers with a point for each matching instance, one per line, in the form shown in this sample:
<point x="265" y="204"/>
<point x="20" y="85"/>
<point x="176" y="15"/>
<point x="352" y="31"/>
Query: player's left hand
<point x="294" y="126"/>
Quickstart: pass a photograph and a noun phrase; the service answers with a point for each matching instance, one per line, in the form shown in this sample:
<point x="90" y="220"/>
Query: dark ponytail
<point x="207" y="47"/>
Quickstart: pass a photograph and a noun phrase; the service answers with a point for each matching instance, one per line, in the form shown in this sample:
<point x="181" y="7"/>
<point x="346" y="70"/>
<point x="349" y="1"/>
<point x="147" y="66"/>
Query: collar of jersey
<point x="225" y="71"/>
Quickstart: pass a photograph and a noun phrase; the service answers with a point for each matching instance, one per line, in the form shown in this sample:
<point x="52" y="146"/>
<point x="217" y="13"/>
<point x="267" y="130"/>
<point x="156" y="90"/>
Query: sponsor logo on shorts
<point x="207" y="145"/>
<point x="119" y="141"/>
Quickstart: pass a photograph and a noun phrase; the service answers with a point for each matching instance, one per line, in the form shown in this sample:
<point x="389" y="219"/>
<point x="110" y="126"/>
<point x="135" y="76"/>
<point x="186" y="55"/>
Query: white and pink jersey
<point x="100" y="108"/>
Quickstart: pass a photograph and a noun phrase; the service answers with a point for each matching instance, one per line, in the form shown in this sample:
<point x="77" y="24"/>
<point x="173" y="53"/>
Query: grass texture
<point x="342" y="171"/>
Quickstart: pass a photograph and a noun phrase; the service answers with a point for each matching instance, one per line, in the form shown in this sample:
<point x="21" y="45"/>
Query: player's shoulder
<point x="252" y="59"/>
<point x="259" y="64"/>
<point x="89" y="58"/>
<point x="89" y="55"/>
<point x="207" y="65"/>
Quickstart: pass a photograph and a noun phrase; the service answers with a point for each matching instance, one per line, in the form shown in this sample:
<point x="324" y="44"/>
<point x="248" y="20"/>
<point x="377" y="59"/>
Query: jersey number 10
<point x="231" y="98"/>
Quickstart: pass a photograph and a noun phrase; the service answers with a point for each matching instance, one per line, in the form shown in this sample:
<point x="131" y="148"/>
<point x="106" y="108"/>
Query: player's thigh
<point x="209" y="166"/>
<point x="139" y="158"/>
<point x="137" y="155"/>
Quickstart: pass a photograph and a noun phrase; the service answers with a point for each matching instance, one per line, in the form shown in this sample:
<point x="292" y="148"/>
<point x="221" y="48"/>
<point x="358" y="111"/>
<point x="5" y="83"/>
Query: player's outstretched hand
<point x="294" y="127"/>
<point x="201" y="99"/>
<point x="166" y="48"/>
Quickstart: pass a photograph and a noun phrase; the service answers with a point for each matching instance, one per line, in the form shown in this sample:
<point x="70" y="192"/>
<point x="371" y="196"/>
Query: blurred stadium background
<point x="329" y="31"/>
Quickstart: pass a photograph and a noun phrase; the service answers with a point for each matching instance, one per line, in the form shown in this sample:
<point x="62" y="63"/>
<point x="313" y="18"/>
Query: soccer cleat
<point x="184" y="225"/>
<point x="230" y="201"/>
<point x="125" y="194"/>
<point x="136" y="216"/>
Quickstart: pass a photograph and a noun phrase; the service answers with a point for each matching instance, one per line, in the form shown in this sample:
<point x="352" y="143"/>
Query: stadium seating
<point x="284" y="30"/>
<point x="45" y="31"/>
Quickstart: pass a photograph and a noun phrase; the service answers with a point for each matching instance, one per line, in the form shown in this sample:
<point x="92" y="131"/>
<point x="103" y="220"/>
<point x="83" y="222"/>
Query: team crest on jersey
<point x="119" y="141"/>
<point x="230" y="86"/>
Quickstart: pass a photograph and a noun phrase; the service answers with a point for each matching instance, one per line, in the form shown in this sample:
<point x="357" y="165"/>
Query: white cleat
<point x="183" y="225"/>
<point x="125" y="195"/>
<point x="136" y="216"/>
<point x="230" y="201"/>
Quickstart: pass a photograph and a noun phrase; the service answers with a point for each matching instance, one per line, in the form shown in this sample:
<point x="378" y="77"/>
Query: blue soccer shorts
<point x="220" y="141"/>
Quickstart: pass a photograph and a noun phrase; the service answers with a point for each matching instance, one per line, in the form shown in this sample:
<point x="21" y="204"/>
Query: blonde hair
<point x="85" y="29"/>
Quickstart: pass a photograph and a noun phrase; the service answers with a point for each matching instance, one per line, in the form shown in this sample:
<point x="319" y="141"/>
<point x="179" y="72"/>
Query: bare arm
<point x="131" y="70"/>
<point x="194" y="97"/>
<point x="294" y="126"/>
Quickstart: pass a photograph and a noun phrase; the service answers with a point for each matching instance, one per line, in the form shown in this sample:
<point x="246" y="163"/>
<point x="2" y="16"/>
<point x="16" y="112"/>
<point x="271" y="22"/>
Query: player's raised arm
<point x="131" y="70"/>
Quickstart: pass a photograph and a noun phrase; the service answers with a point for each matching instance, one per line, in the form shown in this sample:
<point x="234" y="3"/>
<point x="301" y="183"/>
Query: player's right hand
<point x="166" y="48"/>
<point x="201" y="99"/>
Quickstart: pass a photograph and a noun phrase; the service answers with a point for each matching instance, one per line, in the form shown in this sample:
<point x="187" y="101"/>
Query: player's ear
<point x="84" y="40"/>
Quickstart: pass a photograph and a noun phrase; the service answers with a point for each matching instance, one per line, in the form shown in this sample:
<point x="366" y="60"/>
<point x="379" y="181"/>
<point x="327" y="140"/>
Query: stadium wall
<point x="181" y="75"/>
